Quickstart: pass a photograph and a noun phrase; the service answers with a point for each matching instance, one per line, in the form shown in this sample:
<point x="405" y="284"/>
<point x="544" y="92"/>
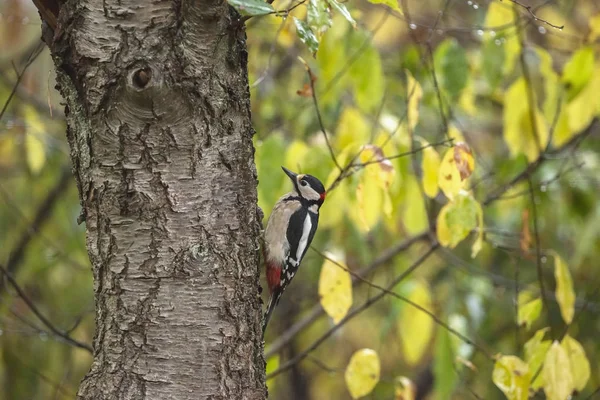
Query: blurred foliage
<point x="394" y="82"/>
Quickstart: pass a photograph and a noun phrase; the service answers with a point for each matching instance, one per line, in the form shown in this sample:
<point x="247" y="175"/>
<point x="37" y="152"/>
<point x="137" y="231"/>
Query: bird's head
<point x="307" y="186"/>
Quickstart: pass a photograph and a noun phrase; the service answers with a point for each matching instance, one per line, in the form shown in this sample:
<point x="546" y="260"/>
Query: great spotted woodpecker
<point x="290" y="229"/>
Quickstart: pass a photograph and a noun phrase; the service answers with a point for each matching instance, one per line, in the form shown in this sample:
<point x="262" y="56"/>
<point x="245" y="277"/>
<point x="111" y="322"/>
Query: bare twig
<point x="34" y="54"/>
<point x="532" y="14"/>
<point x="312" y="79"/>
<point x="40" y="316"/>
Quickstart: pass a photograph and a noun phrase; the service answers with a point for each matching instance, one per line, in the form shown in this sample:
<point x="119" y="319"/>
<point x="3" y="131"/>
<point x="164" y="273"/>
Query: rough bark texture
<point x="158" y="115"/>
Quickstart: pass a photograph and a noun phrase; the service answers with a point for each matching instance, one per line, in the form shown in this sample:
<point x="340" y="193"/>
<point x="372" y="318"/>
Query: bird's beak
<point x="289" y="173"/>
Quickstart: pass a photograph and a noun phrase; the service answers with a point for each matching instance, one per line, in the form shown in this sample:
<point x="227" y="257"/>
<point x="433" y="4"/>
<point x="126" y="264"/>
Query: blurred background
<point x="466" y="61"/>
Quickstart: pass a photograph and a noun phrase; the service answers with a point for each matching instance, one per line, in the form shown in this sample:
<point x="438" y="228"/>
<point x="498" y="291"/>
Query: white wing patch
<point x="304" y="239"/>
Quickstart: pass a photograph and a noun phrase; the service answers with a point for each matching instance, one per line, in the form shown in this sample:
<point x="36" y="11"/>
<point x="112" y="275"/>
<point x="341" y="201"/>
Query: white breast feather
<point x="304" y="239"/>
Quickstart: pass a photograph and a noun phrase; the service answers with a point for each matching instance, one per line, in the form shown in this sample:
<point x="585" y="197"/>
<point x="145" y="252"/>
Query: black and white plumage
<point x="290" y="230"/>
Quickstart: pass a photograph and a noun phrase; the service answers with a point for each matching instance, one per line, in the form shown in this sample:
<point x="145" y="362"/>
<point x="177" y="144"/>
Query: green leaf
<point x="344" y="11"/>
<point x="368" y="82"/>
<point x="558" y="379"/>
<point x="578" y="71"/>
<point x="393" y="4"/>
<point x="565" y="295"/>
<point x="318" y="16"/>
<point x="453" y="67"/>
<point x="252" y="7"/>
<point x="535" y="354"/>
<point x="529" y="312"/>
<point x="416" y="327"/>
<point x="444" y="371"/>
<point x="512" y="376"/>
<point x="457" y="219"/>
<point x="492" y="59"/>
<point x="580" y="366"/>
<point x="307" y="36"/>
<point x="362" y="373"/>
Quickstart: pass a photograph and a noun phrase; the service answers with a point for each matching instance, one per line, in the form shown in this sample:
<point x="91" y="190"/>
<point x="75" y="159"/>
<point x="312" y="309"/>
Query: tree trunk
<point x="158" y="115"/>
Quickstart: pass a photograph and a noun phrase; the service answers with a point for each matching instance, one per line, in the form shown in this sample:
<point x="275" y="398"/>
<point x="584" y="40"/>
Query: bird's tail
<point x="273" y="300"/>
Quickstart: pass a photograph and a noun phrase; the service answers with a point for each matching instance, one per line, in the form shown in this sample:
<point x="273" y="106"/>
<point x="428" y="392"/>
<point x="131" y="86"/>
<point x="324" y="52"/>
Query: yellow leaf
<point x="352" y="129"/>
<point x="520" y="134"/>
<point x="512" y="376"/>
<point x="455" y="134"/>
<point x="578" y="71"/>
<point x="449" y="176"/>
<point x="362" y="373"/>
<point x="529" y="312"/>
<point x="565" y="295"/>
<point x="338" y="202"/>
<point x="478" y="243"/>
<point x="377" y="166"/>
<point x="335" y="290"/>
<point x="457" y="219"/>
<point x="594" y="24"/>
<point x="467" y="99"/>
<point x="416" y="328"/>
<point x="34" y="145"/>
<point x="456" y="166"/>
<point x="584" y="107"/>
<point x="558" y="380"/>
<point x="369" y="197"/>
<point x="414" y="93"/>
<point x="431" y="166"/>
<point x="405" y="389"/>
<point x="372" y="192"/>
<point x="414" y="214"/>
<point x="393" y="4"/>
<point x="580" y="366"/>
<point x="535" y="354"/>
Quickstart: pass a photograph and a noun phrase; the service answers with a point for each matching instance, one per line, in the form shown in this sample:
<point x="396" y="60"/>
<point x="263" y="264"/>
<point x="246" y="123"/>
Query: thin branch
<point x="532" y="14"/>
<point x="312" y="80"/>
<point x="446" y="142"/>
<point x="410" y="302"/>
<point x="40" y="316"/>
<point x="32" y="57"/>
<point x="538" y="248"/>
<point x="533" y="166"/>
<point x="41" y="216"/>
<point x="298" y="358"/>
<point x="528" y="85"/>
<point x="317" y="311"/>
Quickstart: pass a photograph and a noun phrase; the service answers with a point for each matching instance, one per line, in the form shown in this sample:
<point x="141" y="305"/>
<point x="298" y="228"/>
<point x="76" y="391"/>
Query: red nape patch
<point x="273" y="276"/>
<point x="323" y="196"/>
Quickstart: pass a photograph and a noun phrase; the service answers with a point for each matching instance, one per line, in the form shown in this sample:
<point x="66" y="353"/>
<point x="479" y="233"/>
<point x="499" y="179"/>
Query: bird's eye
<point x="303" y="183"/>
